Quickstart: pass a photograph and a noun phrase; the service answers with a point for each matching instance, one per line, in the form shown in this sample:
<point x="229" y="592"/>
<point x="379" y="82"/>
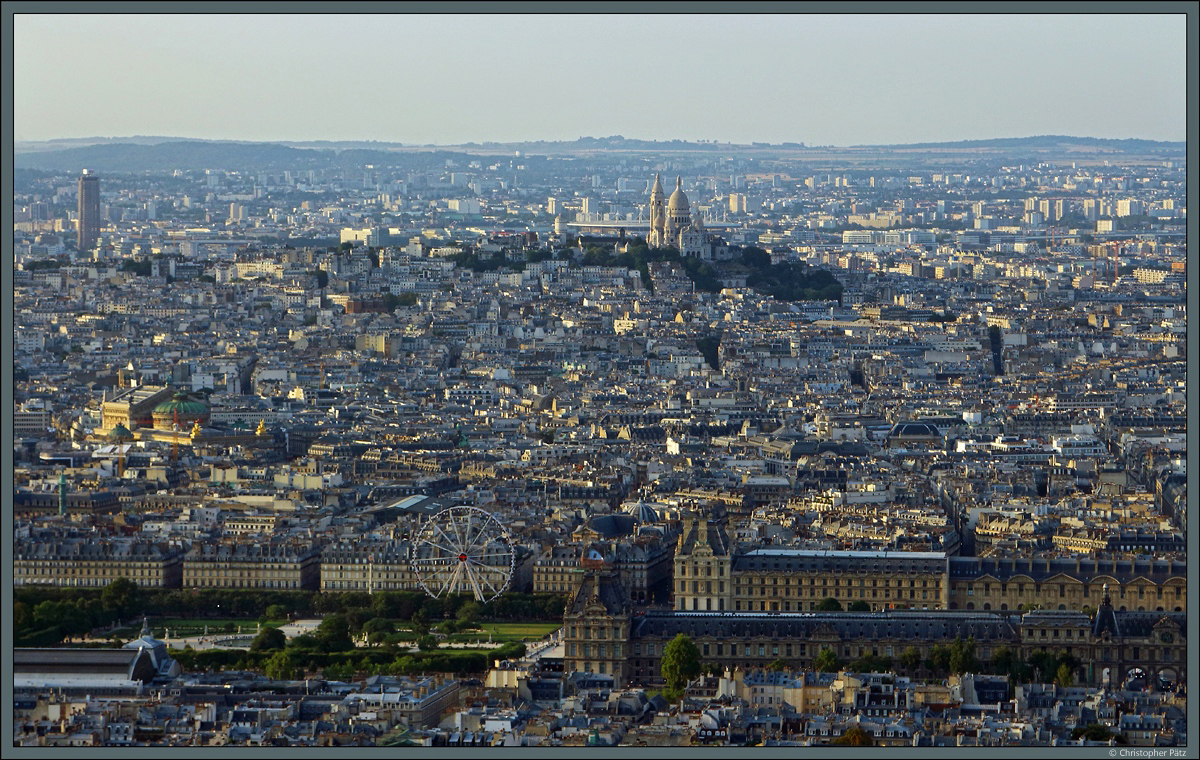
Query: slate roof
<point x="800" y="560"/>
<point x="1041" y="569"/>
<point x="924" y="625"/>
<point x="605" y="588"/>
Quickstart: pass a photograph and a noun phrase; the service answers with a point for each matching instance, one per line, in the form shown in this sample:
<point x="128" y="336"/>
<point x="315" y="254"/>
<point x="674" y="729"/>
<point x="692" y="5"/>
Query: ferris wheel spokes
<point x="463" y="549"/>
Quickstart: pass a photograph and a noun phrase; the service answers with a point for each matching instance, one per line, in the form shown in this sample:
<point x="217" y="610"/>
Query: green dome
<point x="120" y="433"/>
<point x="183" y="405"/>
<point x="179" y="411"/>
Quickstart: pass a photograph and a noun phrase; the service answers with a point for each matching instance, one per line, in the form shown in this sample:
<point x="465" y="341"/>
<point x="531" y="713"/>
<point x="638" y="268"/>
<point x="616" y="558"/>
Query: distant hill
<point x="186" y="154"/>
<point x="129" y="158"/>
<point x="1047" y="142"/>
<point x="143" y="153"/>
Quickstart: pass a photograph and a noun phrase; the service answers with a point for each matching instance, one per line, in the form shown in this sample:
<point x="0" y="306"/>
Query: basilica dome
<point x="678" y="200"/>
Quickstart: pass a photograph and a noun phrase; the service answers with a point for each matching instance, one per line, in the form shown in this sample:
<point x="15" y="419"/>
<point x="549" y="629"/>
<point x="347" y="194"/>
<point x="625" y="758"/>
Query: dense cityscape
<point x="608" y="442"/>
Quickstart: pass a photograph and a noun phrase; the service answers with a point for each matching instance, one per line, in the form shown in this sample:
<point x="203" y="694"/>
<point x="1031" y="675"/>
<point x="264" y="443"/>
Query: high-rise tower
<point x="87" y="225"/>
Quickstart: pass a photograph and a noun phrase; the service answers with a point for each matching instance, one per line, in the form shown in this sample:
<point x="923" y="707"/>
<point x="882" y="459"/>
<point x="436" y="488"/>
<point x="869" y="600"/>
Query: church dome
<point x="678" y="200"/>
<point x="642" y="512"/>
<point x="120" y="433"/>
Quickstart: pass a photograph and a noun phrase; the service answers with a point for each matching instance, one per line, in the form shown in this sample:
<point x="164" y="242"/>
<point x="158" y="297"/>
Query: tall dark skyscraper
<point x="88" y="222"/>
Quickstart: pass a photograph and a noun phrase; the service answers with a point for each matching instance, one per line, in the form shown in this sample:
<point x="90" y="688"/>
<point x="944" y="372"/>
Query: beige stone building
<point x="370" y="567"/>
<point x="285" y="565"/>
<point x="96" y="563"/>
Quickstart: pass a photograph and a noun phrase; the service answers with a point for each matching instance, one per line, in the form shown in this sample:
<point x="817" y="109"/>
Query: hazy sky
<point x="445" y="79"/>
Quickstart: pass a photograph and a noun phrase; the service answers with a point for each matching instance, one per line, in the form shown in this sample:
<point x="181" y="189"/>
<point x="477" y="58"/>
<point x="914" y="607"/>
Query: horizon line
<point x="667" y="141"/>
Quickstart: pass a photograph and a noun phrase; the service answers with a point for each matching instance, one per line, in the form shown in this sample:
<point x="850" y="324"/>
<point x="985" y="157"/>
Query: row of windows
<point x="850" y="593"/>
<point x="107" y="572"/>
<point x="598" y="650"/>
<point x="593" y="632"/>
<point x="812" y="606"/>
<point x="212" y="582"/>
<point x="1062" y="589"/>
<point x="373" y="586"/>
<point x="812" y="581"/>
<point x="205" y="573"/>
<point x="103" y="581"/>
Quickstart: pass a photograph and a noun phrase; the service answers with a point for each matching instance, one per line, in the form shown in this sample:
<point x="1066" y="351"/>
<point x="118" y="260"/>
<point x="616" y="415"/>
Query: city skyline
<point x="815" y="79"/>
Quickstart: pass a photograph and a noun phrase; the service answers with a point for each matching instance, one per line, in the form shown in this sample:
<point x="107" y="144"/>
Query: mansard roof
<point x="925" y="625"/>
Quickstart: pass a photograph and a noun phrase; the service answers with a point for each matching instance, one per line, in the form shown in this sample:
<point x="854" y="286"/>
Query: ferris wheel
<point x="463" y="550"/>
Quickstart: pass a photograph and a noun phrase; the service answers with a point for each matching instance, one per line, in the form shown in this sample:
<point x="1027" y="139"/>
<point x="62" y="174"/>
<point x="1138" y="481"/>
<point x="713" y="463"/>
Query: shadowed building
<point x="87" y="223"/>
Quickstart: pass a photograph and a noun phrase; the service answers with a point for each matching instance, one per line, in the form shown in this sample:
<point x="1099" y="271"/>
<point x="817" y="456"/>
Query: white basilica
<point x="672" y="224"/>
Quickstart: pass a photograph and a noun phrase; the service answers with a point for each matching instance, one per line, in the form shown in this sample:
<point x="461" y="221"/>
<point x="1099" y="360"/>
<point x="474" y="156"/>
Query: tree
<point x="777" y="665"/>
<point x="280" y="666"/>
<point x="120" y="596"/>
<point x="334" y="633"/>
<point x="378" y="628"/>
<point x="427" y="642"/>
<point x="275" y="612"/>
<point x="710" y="347"/>
<point x="680" y="663"/>
<point x="854" y="737"/>
<point x="1065" y="676"/>
<point x="467" y="615"/>
<point x="305" y="641"/>
<point x="962" y="656"/>
<point x="755" y="257"/>
<point x="826" y="661"/>
<point x="939" y="658"/>
<point x="910" y="658"/>
<point x="268" y="639"/>
<point x="22" y="616"/>
<point x="829" y="604"/>
<point x="420" y="621"/>
<point x="1096" y="732"/>
<point x="859" y="605"/>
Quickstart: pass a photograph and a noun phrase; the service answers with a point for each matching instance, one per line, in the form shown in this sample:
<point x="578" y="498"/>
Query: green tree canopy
<point x="829" y="604"/>
<point x="755" y="257"/>
<point x="268" y="639"/>
<point x="334" y="633"/>
<point x="22" y="615"/>
<point x="854" y="737"/>
<point x="467" y="614"/>
<point x="1096" y="732"/>
<point x="826" y="661"/>
<point x="680" y="663"/>
<point x="859" y="605"/>
<point x="275" y="612"/>
<point x="120" y="596"/>
<point x="910" y="658"/>
<point x="962" y="656"/>
<point x="1065" y="676"/>
<point x="427" y="642"/>
<point x="280" y="666"/>
<point x="377" y="628"/>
